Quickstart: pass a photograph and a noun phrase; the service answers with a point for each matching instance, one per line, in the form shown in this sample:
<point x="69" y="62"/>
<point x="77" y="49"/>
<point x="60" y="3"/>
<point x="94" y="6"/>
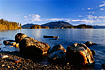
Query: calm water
<point x="66" y="37"/>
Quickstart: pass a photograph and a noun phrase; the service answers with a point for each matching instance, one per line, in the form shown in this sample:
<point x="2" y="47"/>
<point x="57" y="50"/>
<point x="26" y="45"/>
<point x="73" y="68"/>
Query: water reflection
<point x="36" y="33"/>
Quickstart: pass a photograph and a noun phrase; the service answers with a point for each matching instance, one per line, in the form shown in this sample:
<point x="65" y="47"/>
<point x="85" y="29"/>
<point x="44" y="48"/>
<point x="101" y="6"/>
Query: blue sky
<point x="91" y="12"/>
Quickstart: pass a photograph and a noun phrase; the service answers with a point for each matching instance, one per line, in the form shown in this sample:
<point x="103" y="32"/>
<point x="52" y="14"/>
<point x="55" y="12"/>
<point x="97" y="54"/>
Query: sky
<point x="90" y="12"/>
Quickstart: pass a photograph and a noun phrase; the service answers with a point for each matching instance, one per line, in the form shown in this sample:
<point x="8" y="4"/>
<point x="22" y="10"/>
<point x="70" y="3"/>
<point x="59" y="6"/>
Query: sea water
<point x="66" y="37"/>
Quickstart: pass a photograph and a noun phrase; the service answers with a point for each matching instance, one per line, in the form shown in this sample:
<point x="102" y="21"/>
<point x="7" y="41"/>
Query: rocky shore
<point x="36" y="55"/>
<point x="28" y="64"/>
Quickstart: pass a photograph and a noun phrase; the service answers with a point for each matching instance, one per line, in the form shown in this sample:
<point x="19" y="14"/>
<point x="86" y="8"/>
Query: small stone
<point x="4" y="56"/>
<point x="17" y="60"/>
<point x="8" y="67"/>
<point x="10" y="46"/>
<point x="3" y="65"/>
<point x="67" y="64"/>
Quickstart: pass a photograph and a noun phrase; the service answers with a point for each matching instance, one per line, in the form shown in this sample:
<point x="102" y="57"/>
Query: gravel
<point x="16" y="61"/>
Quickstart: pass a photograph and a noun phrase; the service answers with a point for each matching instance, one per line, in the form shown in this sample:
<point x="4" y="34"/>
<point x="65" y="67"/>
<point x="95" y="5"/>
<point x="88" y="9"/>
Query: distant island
<point x="6" y="25"/>
<point x="39" y="27"/>
<point x="55" y="25"/>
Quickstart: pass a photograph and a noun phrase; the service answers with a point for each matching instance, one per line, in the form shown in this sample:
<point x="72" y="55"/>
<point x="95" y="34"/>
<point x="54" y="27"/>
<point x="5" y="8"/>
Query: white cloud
<point x="33" y="17"/>
<point x="82" y="21"/>
<point x="102" y="5"/>
<point x="36" y="17"/>
<point x="68" y="20"/>
<point x="25" y="17"/>
<point x="101" y="8"/>
<point x="88" y="8"/>
<point x="102" y="17"/>
<point x="56" y="19"/>
<point x="90" y="19"/>
<point x="59" y="19"/>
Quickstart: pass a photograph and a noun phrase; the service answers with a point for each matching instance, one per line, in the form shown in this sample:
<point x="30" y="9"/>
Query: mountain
<point x="98" y="27"/>
<point x="57" y="24"/>
<point x="27" y="25"/>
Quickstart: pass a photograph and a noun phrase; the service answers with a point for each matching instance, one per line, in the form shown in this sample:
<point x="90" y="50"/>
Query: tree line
<point x="6" y="25"/>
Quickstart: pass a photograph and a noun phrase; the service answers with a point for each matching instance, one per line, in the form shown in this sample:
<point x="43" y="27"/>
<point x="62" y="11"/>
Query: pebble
<point x="4" y="56"/>
<point x="14" y="62"/>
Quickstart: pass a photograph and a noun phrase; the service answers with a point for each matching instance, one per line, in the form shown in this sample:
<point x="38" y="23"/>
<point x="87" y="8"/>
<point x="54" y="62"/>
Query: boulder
<point x="19" y="37"/>
<point x="32" y="46"/>
<point x="79" y="54"/>
<point x="57" y="48"/>
<point x="8" y="42"/>
<point x="88" y="43"/>
<point x="57" y="57"/>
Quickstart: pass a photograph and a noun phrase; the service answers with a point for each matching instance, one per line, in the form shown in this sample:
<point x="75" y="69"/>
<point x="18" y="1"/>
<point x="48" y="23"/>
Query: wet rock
<point x="32" y="46"/>
<point x="17" y="45"/>
<point x="13" y="43"/>
<point x="17" y="60"/>
<point x="8" y="42"/>
<point x="88" y="43"/>
<point x="19" y="37"/>
<point x="57" y="57"/>
<point x="79" y="54"/>
<point x="93" y="52"/>
<point x="4" y="56"/>
<point x="103" y="65"/>
<point x="10" y="46"/>
<point x="57" y="48"/>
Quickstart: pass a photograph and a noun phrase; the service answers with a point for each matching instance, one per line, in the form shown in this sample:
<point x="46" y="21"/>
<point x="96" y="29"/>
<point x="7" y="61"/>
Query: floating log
<point x="50" y="36"/>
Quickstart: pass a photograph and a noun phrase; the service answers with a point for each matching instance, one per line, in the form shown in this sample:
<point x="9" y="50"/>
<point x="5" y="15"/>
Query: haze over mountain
<point x="57" y="24"/>
<point x="28" y="25"/>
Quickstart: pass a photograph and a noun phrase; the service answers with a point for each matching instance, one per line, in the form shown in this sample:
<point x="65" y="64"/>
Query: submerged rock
<point x="88" y="43"/>
<point x="11" y="42"/>
<point x="57" y="48"/>
<point x="8" y="42"/>
<point x="79" y="54"/>
<point x="32" y="46"/>
<point x="57" y="57"/>
<point x="19" y="37"/>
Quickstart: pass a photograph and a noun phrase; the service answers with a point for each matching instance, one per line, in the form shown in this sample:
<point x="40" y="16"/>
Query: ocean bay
<point x="66" y="37"/>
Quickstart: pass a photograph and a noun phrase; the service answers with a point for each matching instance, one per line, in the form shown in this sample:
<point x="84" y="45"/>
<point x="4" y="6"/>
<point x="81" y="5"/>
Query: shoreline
<point x="29" y="64"/>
